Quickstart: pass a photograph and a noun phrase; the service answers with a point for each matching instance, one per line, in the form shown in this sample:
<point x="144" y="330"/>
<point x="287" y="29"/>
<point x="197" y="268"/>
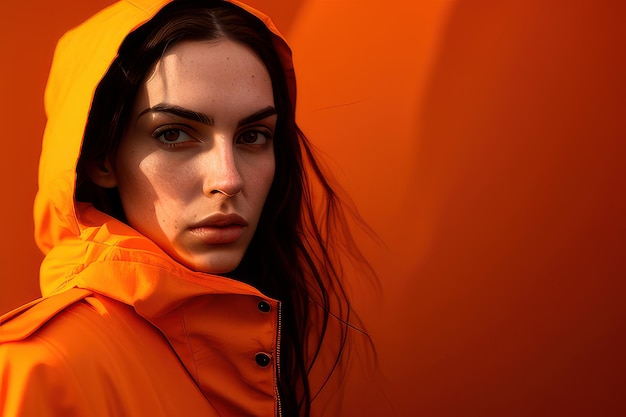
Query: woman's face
<point x="196" y="162"/>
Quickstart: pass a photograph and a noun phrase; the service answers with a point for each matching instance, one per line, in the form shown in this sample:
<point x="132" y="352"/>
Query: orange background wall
<point x="485" y="143"/>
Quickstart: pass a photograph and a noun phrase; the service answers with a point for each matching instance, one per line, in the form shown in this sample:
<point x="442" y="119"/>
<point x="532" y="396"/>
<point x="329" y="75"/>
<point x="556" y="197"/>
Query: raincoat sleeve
<point x="36" y="377"/>
<point x="36" y="381"/>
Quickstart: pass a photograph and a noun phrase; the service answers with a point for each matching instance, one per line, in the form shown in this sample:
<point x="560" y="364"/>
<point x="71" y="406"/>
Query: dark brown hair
<point x="293" y="256"/>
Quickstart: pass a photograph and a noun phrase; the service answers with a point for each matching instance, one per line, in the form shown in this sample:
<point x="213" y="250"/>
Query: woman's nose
<point x="221" y="172"/>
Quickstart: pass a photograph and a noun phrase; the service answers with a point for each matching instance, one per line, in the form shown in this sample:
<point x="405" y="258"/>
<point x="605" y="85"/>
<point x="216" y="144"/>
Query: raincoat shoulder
<point x="95" y="358"/>
<point x="23" y="321"/>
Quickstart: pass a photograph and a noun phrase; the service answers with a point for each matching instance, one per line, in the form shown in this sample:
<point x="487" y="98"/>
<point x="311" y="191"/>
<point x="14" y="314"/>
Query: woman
<point x="187" y="271"/>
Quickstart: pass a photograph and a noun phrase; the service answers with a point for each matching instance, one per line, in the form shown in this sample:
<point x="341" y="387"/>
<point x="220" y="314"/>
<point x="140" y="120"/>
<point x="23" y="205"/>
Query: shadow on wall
<point x="519" y="199"/>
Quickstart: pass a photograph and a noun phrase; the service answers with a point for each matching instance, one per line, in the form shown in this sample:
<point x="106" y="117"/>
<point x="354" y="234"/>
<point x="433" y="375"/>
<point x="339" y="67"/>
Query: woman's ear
<point x="101" y="173"/>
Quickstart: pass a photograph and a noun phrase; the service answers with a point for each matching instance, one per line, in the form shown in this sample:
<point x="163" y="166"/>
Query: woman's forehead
<point x="201" y="74"/>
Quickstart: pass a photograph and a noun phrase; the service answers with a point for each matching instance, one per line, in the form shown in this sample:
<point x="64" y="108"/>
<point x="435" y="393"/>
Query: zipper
<point x="279" y="410"/>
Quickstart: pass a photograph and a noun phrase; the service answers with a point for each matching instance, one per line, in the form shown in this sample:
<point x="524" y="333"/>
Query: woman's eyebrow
<point x="203" y="118"/>
<point x="256" y="116"/>
<point x="178" y="111"/>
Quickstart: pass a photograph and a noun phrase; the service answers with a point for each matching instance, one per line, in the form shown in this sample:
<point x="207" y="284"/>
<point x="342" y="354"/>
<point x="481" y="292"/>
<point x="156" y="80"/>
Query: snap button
<point x="262" y="359"/>
<point x="264" y="306"/>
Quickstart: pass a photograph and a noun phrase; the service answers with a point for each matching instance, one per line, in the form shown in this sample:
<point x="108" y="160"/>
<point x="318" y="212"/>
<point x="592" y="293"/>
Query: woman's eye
<point x="254" y="137"/>
<point x="171" y="136"/>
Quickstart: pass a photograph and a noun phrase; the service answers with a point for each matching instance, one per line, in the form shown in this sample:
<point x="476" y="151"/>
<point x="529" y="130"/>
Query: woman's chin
<point x="214" y="263"/>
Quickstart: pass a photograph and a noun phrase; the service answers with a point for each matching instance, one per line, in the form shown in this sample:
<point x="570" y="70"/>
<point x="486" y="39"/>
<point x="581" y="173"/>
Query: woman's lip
<point x="218" y="235"/>
<point x="220" y="220"/>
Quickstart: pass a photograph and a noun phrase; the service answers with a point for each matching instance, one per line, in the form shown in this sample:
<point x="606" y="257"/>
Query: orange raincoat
<point x="122" y="329"/>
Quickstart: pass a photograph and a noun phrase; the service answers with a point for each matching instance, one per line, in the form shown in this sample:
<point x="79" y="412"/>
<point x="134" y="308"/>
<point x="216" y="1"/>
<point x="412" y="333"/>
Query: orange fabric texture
<point x="123" y="329"/>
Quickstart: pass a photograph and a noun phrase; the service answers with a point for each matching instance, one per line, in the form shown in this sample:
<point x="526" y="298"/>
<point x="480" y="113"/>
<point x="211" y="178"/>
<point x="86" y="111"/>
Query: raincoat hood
<point x="74" y="236"/>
